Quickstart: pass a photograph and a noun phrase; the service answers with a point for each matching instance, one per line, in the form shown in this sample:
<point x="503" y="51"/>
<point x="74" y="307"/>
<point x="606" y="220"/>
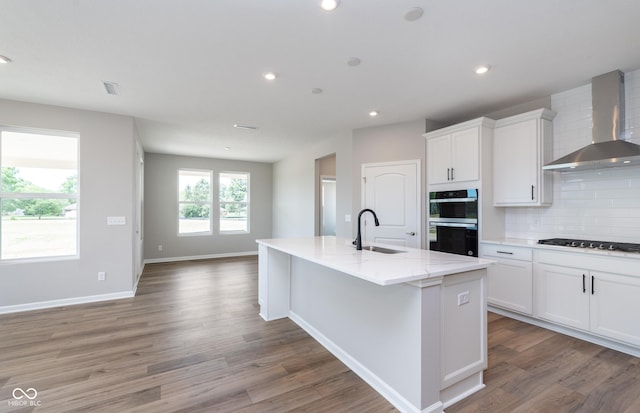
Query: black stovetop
<point x="598" y="245"/>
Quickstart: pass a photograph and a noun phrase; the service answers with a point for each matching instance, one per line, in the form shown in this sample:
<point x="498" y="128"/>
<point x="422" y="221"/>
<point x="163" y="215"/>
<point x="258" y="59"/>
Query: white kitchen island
<point x="412" y="324"/>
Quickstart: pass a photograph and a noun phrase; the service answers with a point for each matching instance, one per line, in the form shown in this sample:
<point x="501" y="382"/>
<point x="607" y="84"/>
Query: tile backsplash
<point x="598" y="204"/>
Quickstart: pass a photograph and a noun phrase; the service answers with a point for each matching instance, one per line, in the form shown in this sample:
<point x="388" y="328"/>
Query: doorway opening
<point x="326" y="195"/>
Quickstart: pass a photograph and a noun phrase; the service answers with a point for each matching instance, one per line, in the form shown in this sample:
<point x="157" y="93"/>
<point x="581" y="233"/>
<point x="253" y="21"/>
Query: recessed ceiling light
<point x="374" y="113"/>
<point x="329" y="5"/>
<point x="227" y="148"/>
<point x="481" y="70"/>
<point x="413" y="14"/>
<point x="4" y="59"/>
<point x="316" y="91"/>
<point x="270" y="76"/>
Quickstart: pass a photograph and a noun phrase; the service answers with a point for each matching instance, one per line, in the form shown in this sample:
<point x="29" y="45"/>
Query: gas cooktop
<point x="599" y="245"/>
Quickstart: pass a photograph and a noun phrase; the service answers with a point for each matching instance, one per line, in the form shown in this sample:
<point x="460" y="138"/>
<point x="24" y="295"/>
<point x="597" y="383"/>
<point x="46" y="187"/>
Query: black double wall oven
<point x="453" y="221"/>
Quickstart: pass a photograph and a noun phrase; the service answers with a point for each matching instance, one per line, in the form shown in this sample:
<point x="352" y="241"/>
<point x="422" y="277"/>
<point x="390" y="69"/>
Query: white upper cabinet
<point x="453" y="153"/>
<point x="521" y="146"/>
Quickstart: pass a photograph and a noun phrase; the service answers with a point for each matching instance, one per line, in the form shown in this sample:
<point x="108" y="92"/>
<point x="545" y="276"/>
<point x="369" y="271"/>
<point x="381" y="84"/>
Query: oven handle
<point x="444" y="200"/>
<point x="454" y="225"/>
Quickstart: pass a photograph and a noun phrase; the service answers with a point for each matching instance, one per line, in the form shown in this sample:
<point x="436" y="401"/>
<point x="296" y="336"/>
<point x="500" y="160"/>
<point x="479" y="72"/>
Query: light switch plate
<point x="116" y="220"/>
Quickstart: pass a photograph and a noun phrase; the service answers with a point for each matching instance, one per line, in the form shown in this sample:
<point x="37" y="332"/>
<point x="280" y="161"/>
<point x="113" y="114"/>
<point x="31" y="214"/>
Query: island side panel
<point x="273" y="283"/>
<point x="464" y="335"/>
<point x="375" y="330"/>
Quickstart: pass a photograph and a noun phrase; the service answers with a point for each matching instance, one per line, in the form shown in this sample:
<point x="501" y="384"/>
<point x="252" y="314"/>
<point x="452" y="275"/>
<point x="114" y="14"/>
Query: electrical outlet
<point x="102" y="276"/>
<point x="160" y="247"/>
<point x="463" y="298"/>
<point x="347" y="218"/>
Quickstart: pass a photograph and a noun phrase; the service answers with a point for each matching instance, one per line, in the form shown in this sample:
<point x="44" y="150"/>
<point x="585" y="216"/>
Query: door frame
<point x="419" y="224"/>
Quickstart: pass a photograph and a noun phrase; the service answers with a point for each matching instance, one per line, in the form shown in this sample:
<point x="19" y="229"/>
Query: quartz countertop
<point x="412" y="264"/>
<point x="519" y="242"/>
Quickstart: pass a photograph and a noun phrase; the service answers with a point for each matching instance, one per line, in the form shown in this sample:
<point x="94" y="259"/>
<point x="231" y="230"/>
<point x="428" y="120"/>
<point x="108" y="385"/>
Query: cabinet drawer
<point x="506" y="251"/>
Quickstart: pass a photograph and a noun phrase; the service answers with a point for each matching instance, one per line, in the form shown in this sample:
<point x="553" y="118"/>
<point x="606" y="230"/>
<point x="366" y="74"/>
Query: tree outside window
<point x="38" y="194"/>
<point x="194" y="202"/>
<point x="234" y="202"/>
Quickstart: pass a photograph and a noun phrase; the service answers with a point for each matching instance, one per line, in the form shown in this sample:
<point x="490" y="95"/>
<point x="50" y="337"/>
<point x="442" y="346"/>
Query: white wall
<point x="294" y="188"/>
<point x="600" y="204"/>
<point x="161" y="208"/>
<point x="107" y="152"/>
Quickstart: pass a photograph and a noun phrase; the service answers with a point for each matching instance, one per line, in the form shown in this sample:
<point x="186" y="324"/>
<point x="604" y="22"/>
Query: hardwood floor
<point x="536" y="370"/>
<point x="192" y="341"/>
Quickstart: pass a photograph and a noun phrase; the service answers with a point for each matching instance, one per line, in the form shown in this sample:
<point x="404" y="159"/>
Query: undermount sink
<point x="381" y="249"/>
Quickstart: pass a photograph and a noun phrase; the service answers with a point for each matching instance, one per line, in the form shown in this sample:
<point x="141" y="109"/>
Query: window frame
<point x="44" y="195"/>
<point x="210" y="203"/>
<point x="247" y="203"/>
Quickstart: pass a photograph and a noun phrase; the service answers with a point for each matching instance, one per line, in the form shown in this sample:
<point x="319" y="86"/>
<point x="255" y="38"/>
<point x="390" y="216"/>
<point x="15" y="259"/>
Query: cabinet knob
<point x="413" y="234"/>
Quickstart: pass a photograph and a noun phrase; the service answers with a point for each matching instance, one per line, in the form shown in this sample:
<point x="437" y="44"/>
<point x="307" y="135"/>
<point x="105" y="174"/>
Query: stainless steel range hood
<point x="607" y="149"/>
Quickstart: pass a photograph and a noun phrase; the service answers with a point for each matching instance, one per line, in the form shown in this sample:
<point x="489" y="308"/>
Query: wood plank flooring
<point x="192" y="341"/>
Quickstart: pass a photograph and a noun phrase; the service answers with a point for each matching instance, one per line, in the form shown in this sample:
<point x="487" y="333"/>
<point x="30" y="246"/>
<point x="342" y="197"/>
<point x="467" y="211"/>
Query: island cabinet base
<point x="395" y="337"/>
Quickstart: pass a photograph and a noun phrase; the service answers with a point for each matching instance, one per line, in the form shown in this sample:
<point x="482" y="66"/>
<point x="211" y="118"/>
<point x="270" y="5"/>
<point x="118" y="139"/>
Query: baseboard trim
<point x="65" y="302"/>
<point x="364" y="373"/>
<point x="200" y="257"/>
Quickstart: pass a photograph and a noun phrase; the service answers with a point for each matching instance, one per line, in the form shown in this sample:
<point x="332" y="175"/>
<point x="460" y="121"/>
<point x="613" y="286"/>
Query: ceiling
<point x="188" y="70"/>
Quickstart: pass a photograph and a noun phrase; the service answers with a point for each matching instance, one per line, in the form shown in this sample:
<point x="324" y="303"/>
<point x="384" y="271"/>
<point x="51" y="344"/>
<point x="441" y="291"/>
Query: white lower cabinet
<point x="615" y="307"/>
<point x="510" y="279"/>
<point x="560" y="296"/>
<point x="602" y="303"/>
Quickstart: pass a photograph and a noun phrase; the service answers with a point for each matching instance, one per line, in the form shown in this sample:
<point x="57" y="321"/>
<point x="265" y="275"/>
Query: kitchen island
<point x="412" y="324"/>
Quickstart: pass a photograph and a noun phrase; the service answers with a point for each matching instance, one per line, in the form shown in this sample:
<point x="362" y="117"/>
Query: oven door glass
<point x="454" y="238"/>
<point x="454" y="209"/>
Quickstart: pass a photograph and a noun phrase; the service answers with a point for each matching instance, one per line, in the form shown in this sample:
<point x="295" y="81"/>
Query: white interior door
<point x="392" y="190"/>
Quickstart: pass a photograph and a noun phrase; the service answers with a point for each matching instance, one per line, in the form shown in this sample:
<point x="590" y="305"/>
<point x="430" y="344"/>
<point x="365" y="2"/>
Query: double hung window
<point x="234" y="202"/>
<point x="194" y="202"/>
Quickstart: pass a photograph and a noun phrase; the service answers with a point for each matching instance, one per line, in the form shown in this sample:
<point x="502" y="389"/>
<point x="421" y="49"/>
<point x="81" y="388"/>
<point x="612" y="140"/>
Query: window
<point x="234" y="202"/>
<point x="194" y="202"/>
<point x="38" y="194"/>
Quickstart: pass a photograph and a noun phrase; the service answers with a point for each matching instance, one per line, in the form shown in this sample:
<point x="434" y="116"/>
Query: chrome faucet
<point x="358" y="240"/>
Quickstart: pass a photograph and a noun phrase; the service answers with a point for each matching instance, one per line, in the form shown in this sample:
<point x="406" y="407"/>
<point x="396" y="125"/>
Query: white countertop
<point x="383" y="269"/>
<point x="518" y="242"/>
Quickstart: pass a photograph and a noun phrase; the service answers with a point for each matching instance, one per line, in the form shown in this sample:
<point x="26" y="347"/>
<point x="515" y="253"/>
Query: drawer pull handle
<point x="505" y="252"/>
<point x="593" y="280"/>
<point x="584" y="285"/>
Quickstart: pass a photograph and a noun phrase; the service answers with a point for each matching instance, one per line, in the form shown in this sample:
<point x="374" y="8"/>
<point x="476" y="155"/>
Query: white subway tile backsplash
<point x="601" y="204"/>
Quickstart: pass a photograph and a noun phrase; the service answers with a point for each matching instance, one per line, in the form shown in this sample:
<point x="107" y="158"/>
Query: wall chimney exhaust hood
<point x="607" y="149"/>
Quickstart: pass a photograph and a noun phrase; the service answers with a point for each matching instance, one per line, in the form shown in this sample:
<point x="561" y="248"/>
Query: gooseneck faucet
<point x="358" y="240"/>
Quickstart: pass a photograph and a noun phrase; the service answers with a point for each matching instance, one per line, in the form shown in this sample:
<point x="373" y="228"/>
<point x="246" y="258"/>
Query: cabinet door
<point x="439" y="159"/>
<point x="465" y="155"/>
<point x="615" y="306"/>
<point x="560" y="296"/>
<point x="515" y="164"/>
<point x="510" y="285"/>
